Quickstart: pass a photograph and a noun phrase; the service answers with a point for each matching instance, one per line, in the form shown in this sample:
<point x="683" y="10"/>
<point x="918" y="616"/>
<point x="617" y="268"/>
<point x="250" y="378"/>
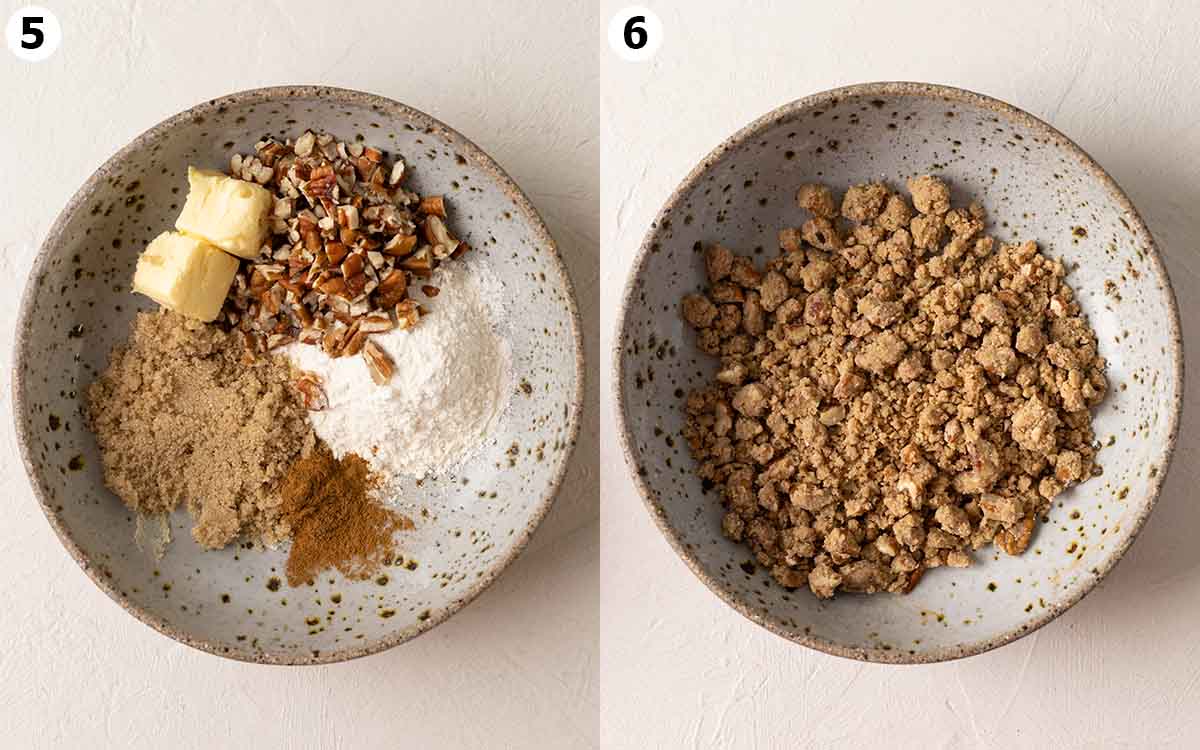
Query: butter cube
<point x="231" y="214"/>
<point x="185" y="274"/>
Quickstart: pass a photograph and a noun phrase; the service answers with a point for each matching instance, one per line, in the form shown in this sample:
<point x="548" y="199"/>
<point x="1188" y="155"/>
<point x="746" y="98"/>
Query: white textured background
<point x="1121" y="669"/>
<point x="515" y="669"/>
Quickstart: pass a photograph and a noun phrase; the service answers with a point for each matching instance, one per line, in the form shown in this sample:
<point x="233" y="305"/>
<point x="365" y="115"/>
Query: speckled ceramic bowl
<point x="1035" y="184"/>
<point x="469" y="526"/>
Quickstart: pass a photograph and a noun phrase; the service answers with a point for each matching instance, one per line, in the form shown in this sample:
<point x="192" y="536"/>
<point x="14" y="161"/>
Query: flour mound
<point x="451" y="384"/>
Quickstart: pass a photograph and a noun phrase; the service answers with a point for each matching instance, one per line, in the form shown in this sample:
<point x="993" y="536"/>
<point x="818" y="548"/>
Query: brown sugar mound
<point x="181" y="419"/>
<point x="893" y="394"/>
<point x="335" y="521"/>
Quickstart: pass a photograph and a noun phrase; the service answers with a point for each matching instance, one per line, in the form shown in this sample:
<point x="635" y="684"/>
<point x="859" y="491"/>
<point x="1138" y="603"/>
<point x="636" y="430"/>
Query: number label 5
<point x="33" y="33"/>
<point x="29" y="28"/>
<point x="635" y="33"/>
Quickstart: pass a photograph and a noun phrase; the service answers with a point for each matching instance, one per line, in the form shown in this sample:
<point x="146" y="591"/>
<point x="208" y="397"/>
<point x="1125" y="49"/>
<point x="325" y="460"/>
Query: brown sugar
<point x="335" y="520"/>
<point x="181" y="419"/>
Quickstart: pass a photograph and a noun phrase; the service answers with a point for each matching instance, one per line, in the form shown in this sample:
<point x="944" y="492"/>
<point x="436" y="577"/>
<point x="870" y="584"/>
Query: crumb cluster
<point x="894" y="391"/>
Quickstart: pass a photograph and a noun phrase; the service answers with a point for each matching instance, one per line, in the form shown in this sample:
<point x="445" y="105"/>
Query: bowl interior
<point x="1035" y="186"/>
<point x="468" y="526"/>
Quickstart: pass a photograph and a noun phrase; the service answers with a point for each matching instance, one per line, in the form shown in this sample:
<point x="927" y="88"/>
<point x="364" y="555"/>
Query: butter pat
<point x="231" y="214"/>
<point x="185" y="274"/>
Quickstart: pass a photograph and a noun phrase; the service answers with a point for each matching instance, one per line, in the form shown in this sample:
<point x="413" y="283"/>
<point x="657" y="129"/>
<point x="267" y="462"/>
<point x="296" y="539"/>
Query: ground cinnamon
<point x="335" y="521"/>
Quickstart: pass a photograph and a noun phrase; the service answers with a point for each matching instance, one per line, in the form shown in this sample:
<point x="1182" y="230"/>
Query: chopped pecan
<point x="433" y="205"/>
<point x="420" y="263"/>
<point x="378" y="362"/>
<point x="400" y="245"/>
<point x="345" y="243"/>
<point x="408" y="313"/>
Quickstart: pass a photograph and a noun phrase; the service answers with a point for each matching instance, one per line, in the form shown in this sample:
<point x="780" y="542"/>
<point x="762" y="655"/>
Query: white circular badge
<point x="635" y="33"/>
<point x="33" y="33"/>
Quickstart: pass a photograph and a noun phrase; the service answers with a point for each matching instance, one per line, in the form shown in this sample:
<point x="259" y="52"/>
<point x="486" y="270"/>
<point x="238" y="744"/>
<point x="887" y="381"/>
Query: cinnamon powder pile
<point x="335" y="521"/>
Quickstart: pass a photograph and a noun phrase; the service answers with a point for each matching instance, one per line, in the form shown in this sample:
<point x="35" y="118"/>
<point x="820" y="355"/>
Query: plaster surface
<point x="1120" y="669"/>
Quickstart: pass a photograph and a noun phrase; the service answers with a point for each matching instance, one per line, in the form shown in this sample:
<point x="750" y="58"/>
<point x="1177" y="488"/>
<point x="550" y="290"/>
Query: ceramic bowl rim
<point x="788" y="112"/>
<point x="276" y="94"/>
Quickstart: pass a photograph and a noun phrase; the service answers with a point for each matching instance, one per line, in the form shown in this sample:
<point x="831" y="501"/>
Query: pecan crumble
<point x="894" y="392"/>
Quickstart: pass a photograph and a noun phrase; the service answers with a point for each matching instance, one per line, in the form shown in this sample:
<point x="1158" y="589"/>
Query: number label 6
<point x="635" y="33"/>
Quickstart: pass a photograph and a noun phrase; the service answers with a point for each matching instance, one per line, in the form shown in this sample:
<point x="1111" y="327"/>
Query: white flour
<point x="451" y="384"/>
